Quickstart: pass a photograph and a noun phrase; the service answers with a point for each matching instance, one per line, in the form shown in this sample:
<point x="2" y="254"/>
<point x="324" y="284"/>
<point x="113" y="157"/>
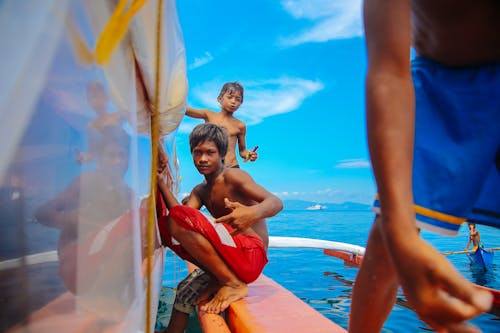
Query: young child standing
<point x="230" y="99"/>
<point x="230" y="251"/>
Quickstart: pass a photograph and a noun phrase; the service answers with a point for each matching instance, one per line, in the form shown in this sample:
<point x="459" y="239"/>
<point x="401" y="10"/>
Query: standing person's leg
<point x="375" y="288"/>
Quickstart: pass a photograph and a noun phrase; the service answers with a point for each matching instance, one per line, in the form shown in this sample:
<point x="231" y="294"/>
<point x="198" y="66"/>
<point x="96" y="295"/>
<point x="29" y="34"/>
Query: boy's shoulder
<point x="235" y="175"/>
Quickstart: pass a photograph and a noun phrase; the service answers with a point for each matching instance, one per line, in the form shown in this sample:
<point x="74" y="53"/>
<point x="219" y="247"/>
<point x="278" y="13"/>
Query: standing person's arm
<point x="436" y="291"/>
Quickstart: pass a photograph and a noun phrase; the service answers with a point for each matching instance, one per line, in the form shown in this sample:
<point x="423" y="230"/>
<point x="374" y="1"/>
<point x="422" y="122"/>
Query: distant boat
<point x="316" y="207"/>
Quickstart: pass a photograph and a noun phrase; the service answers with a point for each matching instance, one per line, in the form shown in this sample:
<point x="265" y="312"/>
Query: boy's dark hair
<point x="231" y="87"/>
<point x="209" y="132"/>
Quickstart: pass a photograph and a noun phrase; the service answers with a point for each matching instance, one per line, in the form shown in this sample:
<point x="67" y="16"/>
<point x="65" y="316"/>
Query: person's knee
<point x="173" y="227"/>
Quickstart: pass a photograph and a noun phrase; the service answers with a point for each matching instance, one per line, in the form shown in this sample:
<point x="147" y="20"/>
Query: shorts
<point x="245" y="255"/>
<point x="457" y="142"/>
<point x="189" y="290"/>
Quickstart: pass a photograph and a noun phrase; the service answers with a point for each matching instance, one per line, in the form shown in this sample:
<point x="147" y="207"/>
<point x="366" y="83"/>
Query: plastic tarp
<point x="75" y="164"/>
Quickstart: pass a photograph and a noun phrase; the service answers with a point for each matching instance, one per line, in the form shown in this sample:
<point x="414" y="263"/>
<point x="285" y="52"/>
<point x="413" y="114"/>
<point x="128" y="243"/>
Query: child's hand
<point x="240" y="218"/>
<point x="251" y="154"/>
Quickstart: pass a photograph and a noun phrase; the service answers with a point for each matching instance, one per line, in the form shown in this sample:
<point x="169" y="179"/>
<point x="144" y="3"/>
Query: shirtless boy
<point x="231" y="251"/>
<point x="474" y="237"/>
<point x="433" y="132"/>
<point x="230" y="99"/>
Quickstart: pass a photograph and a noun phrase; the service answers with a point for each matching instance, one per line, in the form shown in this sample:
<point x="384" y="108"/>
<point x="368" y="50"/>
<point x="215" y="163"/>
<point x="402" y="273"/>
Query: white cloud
<point x="331" y="19"/>
<point x="198" y="62"/>
<point x="262" y="99"/>
<point x="353" y="164"/>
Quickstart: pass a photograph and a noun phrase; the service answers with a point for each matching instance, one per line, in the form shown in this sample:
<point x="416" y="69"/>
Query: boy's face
<point x="231" y="100"/>
<point x="206" y="157"/>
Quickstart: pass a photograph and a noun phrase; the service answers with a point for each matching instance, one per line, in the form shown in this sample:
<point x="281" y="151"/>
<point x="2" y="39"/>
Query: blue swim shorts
<point x="456" y="176"/>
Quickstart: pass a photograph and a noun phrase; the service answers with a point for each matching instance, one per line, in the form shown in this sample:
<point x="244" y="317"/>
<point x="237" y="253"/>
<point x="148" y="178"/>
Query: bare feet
<point x="225" y="296"/>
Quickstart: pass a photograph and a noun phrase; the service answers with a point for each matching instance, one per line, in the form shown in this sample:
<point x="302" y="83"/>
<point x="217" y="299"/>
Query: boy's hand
<point x="240" y="218"/>
<point x="251" y="155"/>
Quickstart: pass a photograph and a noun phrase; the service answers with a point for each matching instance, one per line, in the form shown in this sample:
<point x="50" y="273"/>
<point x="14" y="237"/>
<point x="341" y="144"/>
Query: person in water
<point x="230" y="99"/>
<point x="230" y="251"/>
<point x="474" y="237"/>
<point x="433" y="133"/>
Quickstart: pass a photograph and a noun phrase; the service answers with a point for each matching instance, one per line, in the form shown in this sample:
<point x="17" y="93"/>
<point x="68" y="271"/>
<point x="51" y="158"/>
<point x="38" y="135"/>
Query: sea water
<point x="325" y="283"/>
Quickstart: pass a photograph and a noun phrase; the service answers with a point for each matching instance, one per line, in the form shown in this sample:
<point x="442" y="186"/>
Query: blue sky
<point x="302" y="64"/>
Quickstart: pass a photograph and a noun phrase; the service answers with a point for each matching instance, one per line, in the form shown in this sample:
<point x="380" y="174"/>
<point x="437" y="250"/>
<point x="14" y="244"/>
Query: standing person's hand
<point x="440" y="296"/>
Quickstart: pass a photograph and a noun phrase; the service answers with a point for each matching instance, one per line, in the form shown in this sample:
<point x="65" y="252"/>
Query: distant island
<point x="303" y="205"/>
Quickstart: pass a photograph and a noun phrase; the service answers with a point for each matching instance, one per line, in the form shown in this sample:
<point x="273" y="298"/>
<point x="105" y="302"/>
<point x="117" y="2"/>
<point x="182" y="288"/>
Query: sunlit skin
<point x="474" y="237"/>
<point x="455" y="33"/>
<point x="232" y="197"/>
<point x="236" y="129"/>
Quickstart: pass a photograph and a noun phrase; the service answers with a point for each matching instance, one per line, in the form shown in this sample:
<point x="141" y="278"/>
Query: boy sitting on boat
<point x="230" y="99"/>
<point x="232" y="249"/>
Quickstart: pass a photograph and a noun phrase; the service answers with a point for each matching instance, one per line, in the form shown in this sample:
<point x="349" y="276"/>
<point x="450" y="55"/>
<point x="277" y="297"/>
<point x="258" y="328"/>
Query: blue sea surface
<point x="326" y="284"/>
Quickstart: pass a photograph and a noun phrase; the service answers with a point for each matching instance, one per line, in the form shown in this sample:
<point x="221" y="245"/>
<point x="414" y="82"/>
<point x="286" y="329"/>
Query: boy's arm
<point x="245" y="153"/>
<point x="171" y="201"/>
<point x="197" y="113"/>
<point x="437" y="292"/>
<point x="244" y="216"/>
<point x="61" y="211"/>
<point x="242" y="145"/>
<point x="168" y="196"/>
<point x="194" y="199"/>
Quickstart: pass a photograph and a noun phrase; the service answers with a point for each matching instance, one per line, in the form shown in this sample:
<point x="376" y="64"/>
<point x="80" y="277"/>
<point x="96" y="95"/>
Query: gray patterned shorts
<point x="190" y="289"/>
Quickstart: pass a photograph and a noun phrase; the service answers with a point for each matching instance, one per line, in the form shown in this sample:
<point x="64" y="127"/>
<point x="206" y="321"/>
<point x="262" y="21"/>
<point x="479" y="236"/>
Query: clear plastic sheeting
<point x="75" y="164"/>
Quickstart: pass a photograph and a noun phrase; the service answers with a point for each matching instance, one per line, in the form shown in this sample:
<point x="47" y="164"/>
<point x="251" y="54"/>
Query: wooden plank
<point x="212" y="323"/>
<point x="271" y="308"/>
<point x="469" y="251"/>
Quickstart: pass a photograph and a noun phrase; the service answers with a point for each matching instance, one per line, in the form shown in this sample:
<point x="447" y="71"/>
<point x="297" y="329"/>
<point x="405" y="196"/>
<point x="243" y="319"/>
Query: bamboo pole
<point x="470" y="251"/>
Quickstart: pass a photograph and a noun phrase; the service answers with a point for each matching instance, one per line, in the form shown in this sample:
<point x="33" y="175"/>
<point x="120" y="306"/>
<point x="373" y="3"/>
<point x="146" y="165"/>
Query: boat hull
<point x="482" y="258"/>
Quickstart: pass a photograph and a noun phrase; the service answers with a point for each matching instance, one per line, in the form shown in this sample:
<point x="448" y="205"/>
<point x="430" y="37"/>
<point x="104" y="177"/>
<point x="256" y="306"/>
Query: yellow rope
<point x="115" y="29"/>
<point x="155" y="136"/>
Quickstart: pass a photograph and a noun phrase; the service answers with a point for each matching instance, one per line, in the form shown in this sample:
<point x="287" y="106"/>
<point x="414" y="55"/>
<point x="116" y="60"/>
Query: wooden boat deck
<point x="268" y="308"/>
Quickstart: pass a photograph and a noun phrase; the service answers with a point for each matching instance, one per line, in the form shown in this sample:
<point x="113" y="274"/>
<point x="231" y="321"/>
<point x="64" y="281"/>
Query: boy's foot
<point x="209" y="292"/>
<point x="225" y="296"/>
